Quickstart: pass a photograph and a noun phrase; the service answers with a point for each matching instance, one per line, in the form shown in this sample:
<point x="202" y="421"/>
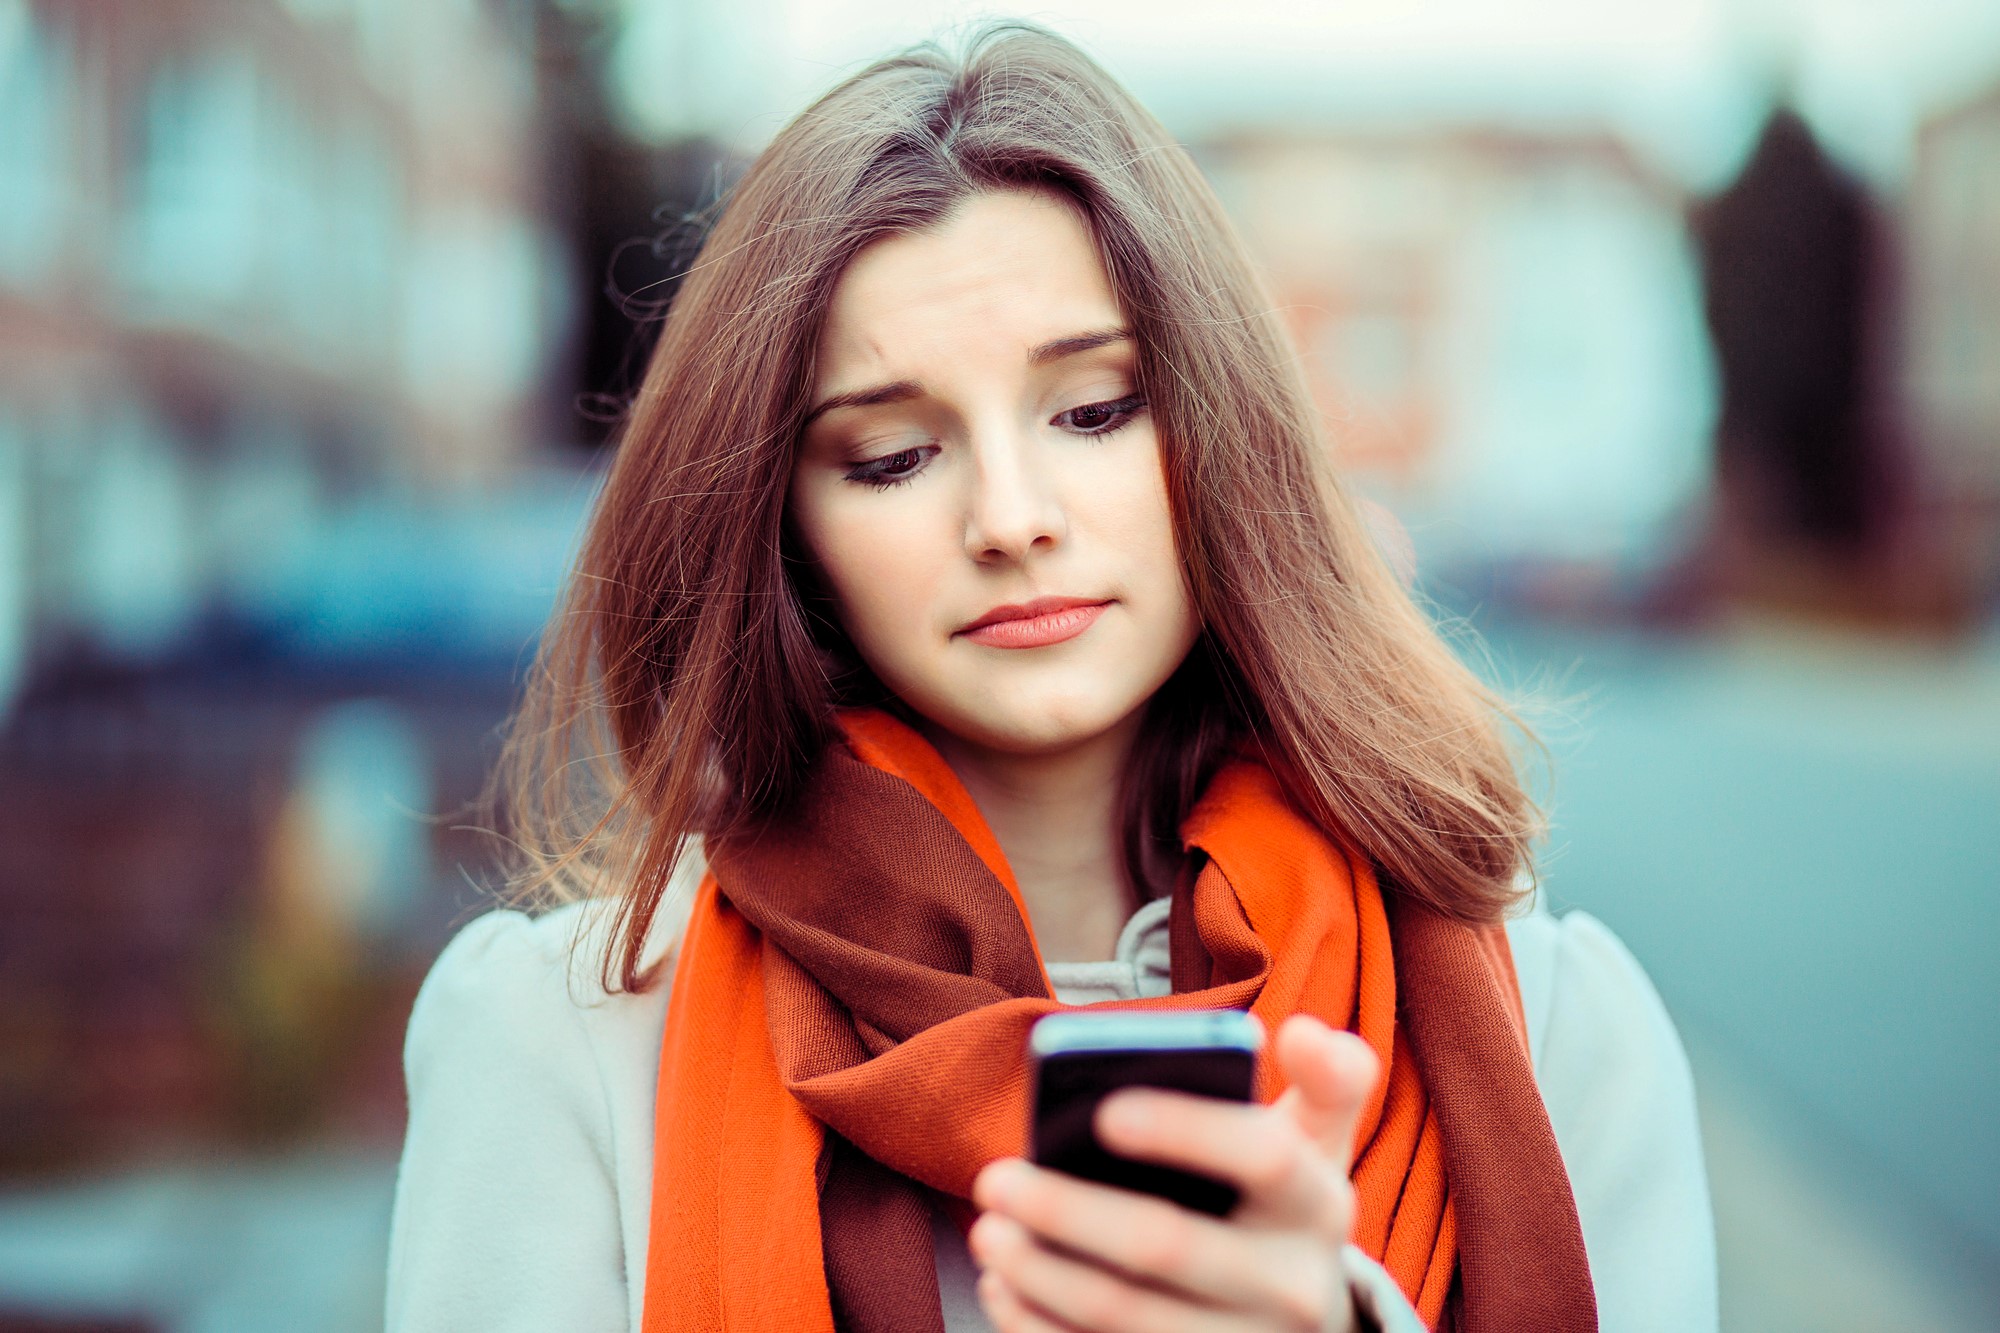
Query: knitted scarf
<point x="846" y="1032"/>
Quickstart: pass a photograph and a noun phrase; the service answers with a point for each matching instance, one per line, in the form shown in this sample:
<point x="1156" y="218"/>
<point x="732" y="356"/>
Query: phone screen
<point x="1088" y="1057"/>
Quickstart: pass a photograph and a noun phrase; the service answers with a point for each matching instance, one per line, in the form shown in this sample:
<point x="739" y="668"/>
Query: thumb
<point x="1331" y="1074"/>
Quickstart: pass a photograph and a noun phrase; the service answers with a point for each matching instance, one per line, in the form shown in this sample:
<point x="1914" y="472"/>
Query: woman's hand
<point x="1062" y="1253"/>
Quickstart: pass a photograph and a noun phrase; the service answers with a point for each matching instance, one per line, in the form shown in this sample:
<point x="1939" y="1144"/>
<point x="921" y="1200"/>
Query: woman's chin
<point x="1033" y="723"/>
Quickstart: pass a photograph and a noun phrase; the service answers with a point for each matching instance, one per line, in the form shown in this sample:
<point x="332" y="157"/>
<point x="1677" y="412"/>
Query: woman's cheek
<point x="887" y="581"/>
<point x="1132" y="515"/>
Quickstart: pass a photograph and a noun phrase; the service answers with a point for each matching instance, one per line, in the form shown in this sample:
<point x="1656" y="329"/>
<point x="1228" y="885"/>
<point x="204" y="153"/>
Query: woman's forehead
<point x="1004" y="273"/>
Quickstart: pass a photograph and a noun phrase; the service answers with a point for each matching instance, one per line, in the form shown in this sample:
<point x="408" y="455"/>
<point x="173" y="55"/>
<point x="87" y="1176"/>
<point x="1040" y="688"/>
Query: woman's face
<point x="980" y="482"/>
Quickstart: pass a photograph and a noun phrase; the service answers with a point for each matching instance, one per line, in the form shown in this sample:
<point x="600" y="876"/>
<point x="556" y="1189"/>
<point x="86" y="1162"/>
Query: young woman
<point x="969" y="627"/>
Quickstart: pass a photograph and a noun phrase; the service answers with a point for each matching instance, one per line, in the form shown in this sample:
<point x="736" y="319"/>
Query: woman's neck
<point x="1057" y="819"/>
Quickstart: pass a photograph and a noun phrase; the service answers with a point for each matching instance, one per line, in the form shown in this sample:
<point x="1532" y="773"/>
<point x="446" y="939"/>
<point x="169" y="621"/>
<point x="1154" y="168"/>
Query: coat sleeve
<point x="1621" y="1100"/>
<point x="506" y="1211"/>
<point x="1380" y="1303"/>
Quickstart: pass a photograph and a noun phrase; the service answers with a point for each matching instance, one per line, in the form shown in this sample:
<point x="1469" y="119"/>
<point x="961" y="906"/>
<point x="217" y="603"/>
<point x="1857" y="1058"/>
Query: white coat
<point x="527" y="1175"/>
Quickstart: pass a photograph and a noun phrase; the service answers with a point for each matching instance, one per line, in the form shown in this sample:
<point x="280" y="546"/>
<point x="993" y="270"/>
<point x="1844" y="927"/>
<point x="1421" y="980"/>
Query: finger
<point x="1284" y="1175"/>
<point x="1221" y="1263"/>
<point x="1009" y="1313"/>
<point x="1083" y="1295"/>
<point x="1331" y="1074"/>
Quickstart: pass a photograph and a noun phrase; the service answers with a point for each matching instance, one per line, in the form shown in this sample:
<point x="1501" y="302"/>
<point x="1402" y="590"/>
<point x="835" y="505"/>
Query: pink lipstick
<point x="1036" y="624"/>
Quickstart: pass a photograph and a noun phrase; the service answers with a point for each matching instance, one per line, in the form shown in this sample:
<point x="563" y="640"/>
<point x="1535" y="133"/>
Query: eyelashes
<point x="891" y="469"/>
<point x="1091" y="420"/>
<point x="1105" y="417"/>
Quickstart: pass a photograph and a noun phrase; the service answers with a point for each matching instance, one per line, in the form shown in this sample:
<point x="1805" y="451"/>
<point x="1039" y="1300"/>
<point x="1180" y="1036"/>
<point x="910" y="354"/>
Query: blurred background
<point x="1670" y="333"/>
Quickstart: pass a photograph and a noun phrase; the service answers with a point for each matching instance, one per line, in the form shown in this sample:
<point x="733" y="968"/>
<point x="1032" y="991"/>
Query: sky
<point x="1685" y="81"/>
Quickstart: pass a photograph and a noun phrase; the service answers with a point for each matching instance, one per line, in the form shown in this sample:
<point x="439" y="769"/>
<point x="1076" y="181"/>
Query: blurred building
<point x="1793" y="255"/>
<point x="1951" y="320"/>
<point x="254" y="257"/>
<point x="1505" y="331"/>
<point x="277" y="302"/>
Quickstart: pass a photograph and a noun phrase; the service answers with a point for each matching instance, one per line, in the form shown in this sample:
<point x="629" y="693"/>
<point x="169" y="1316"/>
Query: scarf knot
<point x="845" y="1049"/>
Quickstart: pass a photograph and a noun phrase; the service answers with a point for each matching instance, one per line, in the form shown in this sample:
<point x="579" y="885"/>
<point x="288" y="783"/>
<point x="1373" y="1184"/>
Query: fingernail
<point x="1127" y="1113"/>
<point x="989" y="1234"/>
<point x="999" y="1181"/>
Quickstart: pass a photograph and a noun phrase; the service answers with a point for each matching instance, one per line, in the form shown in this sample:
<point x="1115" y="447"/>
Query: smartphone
<point x="1082" y="1057"/>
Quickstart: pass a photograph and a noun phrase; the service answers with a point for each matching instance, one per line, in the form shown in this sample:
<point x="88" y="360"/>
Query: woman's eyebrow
<point x="902" y="390"/>
<point x="1058" y="348"/>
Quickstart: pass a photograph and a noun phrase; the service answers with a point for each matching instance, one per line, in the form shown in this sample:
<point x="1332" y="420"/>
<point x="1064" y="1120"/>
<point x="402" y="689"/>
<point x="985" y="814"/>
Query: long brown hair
<point x="690" y="674"/>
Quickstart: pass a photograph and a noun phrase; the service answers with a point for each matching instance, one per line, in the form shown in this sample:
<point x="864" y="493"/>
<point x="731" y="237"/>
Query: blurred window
<point x="474" y="325"/>
<point x="35" y="95"/>
<point x="135" y="578"/>
<point x="193" y="218"/>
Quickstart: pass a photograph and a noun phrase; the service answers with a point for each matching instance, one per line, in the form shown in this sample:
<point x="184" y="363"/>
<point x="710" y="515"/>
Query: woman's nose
<point x="1014" y="507"/>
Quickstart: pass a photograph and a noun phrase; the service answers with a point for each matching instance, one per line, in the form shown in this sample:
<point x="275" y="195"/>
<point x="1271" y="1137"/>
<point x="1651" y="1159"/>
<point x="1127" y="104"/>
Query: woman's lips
<point x="1036" y="625"/>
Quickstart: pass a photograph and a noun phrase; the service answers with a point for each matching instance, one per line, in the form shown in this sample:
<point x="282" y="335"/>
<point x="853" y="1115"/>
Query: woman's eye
<point x="1102" y="418"/>
<point x="890" y="469"/>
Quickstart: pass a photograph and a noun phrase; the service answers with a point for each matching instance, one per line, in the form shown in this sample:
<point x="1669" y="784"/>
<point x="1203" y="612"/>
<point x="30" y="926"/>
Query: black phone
<point x="1080" y="1057"/>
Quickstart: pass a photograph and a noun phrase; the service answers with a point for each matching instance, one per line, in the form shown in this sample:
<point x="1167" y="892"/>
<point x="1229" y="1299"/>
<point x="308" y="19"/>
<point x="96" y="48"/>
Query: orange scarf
<point x="849" y="1013"/>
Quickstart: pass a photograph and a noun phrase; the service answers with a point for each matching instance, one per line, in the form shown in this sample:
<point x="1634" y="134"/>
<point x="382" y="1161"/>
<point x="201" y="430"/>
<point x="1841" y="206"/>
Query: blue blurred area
<point x="1796" y="832"/>
<point x="469" y="580"/>
<point x="1667" y="342"/>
